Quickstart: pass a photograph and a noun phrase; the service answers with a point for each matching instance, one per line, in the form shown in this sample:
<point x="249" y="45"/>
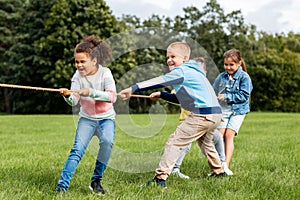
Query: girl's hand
<point x="64" y="92"/>
<point x="155" y="96"/>
<point x="221" y="97"/>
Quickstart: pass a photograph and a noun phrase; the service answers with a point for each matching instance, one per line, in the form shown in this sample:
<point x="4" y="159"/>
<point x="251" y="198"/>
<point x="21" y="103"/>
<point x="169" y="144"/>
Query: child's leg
<point x="176" y="169"/>
<point x="181" y="157"/>
<point x="171" y="154"/>
<point x="232" y="129"/>
<point x="207" y="147"/>
<point x="84" y="133"/>
<point x="219" y="144"/>
<point x="229" y="145"/>
<point x="105" y="133"/>
<point x="187" y="132"/>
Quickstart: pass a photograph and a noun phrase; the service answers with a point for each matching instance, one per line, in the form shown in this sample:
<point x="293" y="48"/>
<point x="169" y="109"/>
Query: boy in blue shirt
<point x="217" y="138"/>
<point x="195" y="94"/>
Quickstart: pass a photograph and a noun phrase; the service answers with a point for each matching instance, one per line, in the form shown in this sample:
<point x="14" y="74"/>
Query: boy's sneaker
<point x="158" y="182"/>
<point x="96" y="187"/>
<point x="226" y="169"/>
<point x="177" y="172"/>
<point x="213" y="174"/>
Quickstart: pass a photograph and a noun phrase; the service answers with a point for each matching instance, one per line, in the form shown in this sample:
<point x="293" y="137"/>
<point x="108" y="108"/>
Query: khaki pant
<point x="196" y="127"/>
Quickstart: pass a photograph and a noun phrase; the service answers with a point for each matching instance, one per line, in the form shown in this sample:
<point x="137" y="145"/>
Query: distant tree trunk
<point x="6" y="101"/>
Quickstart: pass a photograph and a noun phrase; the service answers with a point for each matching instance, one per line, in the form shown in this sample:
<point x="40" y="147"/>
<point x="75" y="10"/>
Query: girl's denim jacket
<point x="236" y="91"/>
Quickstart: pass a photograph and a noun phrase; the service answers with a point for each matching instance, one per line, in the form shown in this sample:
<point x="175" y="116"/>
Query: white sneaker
<point x="177" y="172"/>
<point x="226" y="169"/>
<point x="211" y="174"/>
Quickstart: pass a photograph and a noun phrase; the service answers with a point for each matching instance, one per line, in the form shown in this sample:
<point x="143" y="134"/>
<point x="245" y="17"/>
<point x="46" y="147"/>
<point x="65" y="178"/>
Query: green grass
<point x="33" y="149"/>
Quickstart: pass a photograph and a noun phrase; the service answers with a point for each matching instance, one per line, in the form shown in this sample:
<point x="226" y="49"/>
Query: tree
<point x="37" y="39"/>
<point x="292" y="42"/>
<point x="50" y="30"/>
<point x="216" y="31"/>
<point x="148" y="42"/>
<point x="10" y="15"/>
<point x="276" y="77"/>
<point x="24" y="57"/>
<point x="68" y="22"/>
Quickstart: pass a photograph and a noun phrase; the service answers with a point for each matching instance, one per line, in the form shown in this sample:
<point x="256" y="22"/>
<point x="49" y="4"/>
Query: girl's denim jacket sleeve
<point x="236" y="91"/>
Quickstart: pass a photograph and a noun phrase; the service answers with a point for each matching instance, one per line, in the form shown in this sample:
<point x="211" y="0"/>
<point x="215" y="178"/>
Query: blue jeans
<point x="104" y="130"/>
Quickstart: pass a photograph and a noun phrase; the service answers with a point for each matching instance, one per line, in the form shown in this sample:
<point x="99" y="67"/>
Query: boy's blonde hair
<point x="180" y="48"/>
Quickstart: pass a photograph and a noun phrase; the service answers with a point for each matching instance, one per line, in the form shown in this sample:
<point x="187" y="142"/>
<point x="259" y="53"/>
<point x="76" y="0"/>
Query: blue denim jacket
<point x="236" y="91"/>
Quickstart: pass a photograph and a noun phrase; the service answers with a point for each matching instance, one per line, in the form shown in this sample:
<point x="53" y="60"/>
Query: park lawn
<point x="266" y="161"/>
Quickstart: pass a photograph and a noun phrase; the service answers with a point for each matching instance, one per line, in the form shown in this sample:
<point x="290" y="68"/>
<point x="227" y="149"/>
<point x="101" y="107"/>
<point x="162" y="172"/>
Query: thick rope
<point x="29" y="87"/>
<point x="58" y="90"/>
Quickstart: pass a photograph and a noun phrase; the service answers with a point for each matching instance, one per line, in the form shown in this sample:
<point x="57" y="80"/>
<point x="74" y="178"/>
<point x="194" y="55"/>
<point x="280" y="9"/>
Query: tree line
<point x="37" y="39"/>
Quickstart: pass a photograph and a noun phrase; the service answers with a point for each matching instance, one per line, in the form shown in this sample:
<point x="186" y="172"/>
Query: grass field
<point x="266" y="161"/>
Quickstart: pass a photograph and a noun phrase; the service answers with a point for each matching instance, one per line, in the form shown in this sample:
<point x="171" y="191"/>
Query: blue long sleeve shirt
<point x="193" y="90"/>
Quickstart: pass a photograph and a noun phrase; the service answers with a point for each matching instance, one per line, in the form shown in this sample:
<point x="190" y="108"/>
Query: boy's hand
<point x="126" y="93"/>
<point x="64" y="92"/>
<point x="155" y="96"/>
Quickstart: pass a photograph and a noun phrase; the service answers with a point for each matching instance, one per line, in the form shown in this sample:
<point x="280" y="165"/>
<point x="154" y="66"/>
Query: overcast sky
<point x="272" y="16"/>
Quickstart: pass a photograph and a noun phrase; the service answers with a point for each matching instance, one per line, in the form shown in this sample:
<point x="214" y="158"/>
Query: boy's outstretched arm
<point x="172" y="78"/>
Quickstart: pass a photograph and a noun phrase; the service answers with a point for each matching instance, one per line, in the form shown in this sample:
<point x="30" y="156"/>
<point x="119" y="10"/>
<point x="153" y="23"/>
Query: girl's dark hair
<point x="236" y="56"/>
<point x="95" y="48"/>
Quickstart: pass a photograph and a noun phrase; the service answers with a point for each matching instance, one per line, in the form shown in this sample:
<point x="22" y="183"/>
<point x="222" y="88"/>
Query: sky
<point x="271" y="16"/>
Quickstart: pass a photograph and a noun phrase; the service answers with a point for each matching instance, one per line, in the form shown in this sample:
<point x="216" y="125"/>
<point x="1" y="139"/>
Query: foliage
<point x="49" y="33"/>
<point x="10" y="16"/>
<point x="37" y="39"/>
<point x="69" y="22"/>
<point x="276" y="81"/>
